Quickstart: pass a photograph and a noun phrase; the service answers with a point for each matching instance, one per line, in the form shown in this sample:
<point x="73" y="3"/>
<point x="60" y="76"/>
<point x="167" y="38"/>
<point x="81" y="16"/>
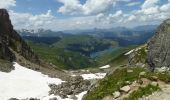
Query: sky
<point x="62" y="15"/>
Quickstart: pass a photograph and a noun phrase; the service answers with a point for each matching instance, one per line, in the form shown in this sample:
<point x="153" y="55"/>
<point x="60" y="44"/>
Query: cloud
<point x="124" y="0"/>
<point x="74" y="7"/>
<point x="93" y="15"/>
<point x="133" y="3"/>
<point x="7" y="3"/>
<point x="149" y="3"/>
<point x="27" y="20"/>
<point x="165" y="8"/>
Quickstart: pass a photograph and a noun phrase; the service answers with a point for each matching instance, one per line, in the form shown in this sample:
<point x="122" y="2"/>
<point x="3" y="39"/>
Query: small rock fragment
<point x="125" y="88"/>
<point x="116" y="94"/>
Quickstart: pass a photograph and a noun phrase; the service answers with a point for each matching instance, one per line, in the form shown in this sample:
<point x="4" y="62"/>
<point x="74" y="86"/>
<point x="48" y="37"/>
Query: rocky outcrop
<point x="73" y="86"/>
<point x="159" y="47"/>
<point x="11" y="41"/>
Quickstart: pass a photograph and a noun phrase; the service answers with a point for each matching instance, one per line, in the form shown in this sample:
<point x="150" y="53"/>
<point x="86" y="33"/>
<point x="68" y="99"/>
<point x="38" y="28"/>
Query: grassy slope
<point x="149" y="89"/>
<point x="112" y="83"/>
<point x="115" y="81"/>
<point x="84" y="44"/>
<point x="115" y="58"/>
<point x="62" y="58"/>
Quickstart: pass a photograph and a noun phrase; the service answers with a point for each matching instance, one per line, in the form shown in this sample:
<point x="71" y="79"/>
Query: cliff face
<point x="159" y="47"/>
<point x="10" y="41"/>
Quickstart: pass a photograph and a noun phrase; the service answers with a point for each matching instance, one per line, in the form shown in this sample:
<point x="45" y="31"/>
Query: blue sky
<point x="84" y="14"/>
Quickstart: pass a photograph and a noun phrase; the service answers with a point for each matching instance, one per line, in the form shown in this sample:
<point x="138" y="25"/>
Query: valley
<point x="84" y="50"/>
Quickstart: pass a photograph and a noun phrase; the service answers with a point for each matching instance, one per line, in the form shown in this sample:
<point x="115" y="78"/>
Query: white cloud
<point x="27" y="20"/>
<point x="149" y="3"/>
<point x="165" y="8"/>
<point x="95" y="15"/>
<point x="73" y="7"/>
<point x="133" y="3"/>
<point x="7" y="3"/>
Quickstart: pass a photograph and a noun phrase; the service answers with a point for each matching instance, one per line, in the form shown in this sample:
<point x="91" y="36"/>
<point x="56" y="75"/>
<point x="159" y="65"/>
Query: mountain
<point x="141" y="75"/>
<point x="159" y="46"/>
<point x="11" y="42"/>
<point x="14" y="49"/>
<point x="40" y="33"/>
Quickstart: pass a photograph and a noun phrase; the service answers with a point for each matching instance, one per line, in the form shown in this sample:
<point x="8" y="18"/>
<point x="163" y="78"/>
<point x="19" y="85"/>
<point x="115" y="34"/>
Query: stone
<point x="108" y="98"/>
<point x="154" y="78"/>
<point x="53" y="98"/>
<point x="154" y="83"/>
<point x="125" y="88"/>
<point x="142" y="73"/>
<point x="116" y="94"/>
<point x="140" y="81"/>
<point x="159" y="47"/>
<point x="129" y="71"/>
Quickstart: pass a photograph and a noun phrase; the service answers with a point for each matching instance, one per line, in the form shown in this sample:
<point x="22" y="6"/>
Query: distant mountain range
<point x="50" y="33"/>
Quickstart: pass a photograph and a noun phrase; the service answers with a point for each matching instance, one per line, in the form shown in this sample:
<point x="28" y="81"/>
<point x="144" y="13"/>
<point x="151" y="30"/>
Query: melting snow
<point x="93" y="76"/>
<point x="80" y="96"/>
<point x="104" y="67"/>
<point x="24" y="83"/>
<point x="129" y="52"/>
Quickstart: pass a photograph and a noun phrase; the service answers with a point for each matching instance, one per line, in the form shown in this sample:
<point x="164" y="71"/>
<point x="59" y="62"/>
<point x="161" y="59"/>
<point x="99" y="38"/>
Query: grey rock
<point x="116" y="94"/>
<point x="125" y="88"/>
<point x="154" y="83"/>
<point x="159" y="47"/>
<point x="73" y="86"/>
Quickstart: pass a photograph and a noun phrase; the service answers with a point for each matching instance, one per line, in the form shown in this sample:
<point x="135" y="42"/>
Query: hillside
<point x="142" y="77"/>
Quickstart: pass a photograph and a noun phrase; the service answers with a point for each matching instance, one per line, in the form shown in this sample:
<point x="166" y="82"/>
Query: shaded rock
<point x="153" y="78"/>
<point x="54" y="98"/>
<point x="13" y="99"/>
<point x="11" y="41"/>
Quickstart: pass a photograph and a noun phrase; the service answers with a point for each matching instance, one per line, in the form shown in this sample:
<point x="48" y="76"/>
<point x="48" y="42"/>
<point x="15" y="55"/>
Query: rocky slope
<point x="10" y="41"/>
<point x="159" y="47"/>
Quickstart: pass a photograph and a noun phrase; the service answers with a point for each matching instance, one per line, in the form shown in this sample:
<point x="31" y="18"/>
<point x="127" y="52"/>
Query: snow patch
<point x="129" y="52"/>
<point x="80" y="96"/>
<point x="24" y="83"/>
<point x="93" y="76"/>
<point x="105" y="67"/>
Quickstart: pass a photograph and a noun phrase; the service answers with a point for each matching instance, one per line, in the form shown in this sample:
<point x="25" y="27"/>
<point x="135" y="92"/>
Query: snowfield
<point x="93" y="76"/>
<point x="105" y="67"/>
<point x="24" y="83"/>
